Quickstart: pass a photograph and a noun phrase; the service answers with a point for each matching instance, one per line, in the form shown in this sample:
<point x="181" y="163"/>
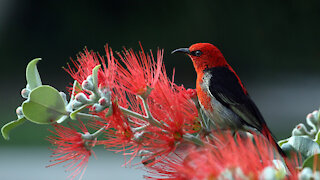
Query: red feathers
<point x="211" y="57"/>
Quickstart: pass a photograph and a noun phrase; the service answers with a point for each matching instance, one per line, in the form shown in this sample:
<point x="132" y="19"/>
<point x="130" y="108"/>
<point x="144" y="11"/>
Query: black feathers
<point x="226" y="88"/>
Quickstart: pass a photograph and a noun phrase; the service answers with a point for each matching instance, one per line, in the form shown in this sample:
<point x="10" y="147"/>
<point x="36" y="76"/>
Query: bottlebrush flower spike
<point x="119" y="132"/>
<point x="140" y="70"/>
<point x="209" y="162"/>
<point x="72" y="148"/>
<point x="119" y="135"/>
<point x="85" y="63"/>
<point x="170" y="105"/>
<point x="166" y="110"/>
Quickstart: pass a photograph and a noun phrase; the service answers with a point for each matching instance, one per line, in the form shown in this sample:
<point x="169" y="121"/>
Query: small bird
<point x="221" y="94"/>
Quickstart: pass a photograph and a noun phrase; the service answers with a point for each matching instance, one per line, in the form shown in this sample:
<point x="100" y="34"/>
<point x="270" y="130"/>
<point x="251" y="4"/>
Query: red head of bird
<point x="204" y="56"/>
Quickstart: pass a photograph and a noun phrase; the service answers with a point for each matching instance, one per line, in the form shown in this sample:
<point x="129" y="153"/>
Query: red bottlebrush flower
<point x="119" y="132"/>
<point x="170" y="105"/>
<point x="106" y="76"/>
<point x="72" y="148"/>
<point x="83" y="65"/>
<point x="119" y="135"/>
<point x="88" y="60"/>
<point x="209" y="162"/>
<point x="140" y="70"/>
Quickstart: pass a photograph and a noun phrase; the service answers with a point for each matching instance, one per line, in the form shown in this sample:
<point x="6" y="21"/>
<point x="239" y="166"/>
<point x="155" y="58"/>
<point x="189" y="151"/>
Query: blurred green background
<point x="272" y="45"/>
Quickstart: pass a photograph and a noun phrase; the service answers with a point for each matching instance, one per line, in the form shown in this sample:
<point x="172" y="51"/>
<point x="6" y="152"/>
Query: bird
<point x="221" y="94"/>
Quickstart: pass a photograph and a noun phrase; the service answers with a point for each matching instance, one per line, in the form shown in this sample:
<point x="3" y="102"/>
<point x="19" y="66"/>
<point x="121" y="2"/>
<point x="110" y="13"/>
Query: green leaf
<point x="75" y="86"/>
<point x="281" y="142"/>
<point x="5" y="130"/>
<point x="74" y="113"/>
<point x="44" y="106"/>
<point x="95" y="76"/>
<point x="317" y="138"/>
<point x="312" y="161"/>
<point x="306" y="146"/>
<point x="32" y="74"/>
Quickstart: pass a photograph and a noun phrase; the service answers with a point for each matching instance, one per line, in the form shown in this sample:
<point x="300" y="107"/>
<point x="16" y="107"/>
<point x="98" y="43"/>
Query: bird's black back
<point x="226" y="88"/>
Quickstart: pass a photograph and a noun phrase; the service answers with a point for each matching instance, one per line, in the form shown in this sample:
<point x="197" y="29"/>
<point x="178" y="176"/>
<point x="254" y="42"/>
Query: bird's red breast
<point x="203" y="97"/>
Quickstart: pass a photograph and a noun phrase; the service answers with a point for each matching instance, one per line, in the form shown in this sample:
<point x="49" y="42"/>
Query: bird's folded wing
<point x="226" y="88"/>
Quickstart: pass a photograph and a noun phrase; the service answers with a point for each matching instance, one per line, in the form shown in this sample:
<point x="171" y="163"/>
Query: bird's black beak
<point x="181" y="50"/>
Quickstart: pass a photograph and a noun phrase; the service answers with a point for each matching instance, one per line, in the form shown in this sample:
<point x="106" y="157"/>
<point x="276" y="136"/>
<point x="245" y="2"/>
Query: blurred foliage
<point x="275" y="35"/>
<point x="259" y="38"/>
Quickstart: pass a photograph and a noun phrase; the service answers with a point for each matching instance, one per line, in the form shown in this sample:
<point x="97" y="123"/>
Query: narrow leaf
<point x="44" y="106"/>
<point x="32" y="74"/>
<point x="95" y="76"/>
<point x="5" y="130"/>
<point x="281" y="142"/>
<point x="75" y="86"/>
<point x="73" y="114"/>
<point x="317" y="138"/>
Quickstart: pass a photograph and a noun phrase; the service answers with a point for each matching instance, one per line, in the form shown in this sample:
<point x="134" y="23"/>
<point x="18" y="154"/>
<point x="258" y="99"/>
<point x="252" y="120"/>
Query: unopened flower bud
<point x="89" y="78"/>
<point x="98" y="108"/>
<point x="64" y="96"/>
<point x="76" y="104"/>
<point x="92" y="97"/>
<point x="87" y="85"/>
<point x="82" y="98"/>
<point x="19" y="112"/>
<point x="315" y="113"/>
<point x="306" y="174"/>
<point x="300" y="130"/>
<point x="104" y="102"/>
<point x="268" y="173"/>
<point x="25" y="93"/>
<point x="231" y="173"/>
<point x="105" y="92"/>
<point x="312" y="120"/>
<point x="310" y="117"/>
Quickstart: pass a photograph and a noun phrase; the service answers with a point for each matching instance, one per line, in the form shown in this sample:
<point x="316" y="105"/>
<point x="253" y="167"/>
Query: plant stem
<point x="194" y="139"/>
<point x="99" y="132"/>
<point x="87" y="116"/>
<point x="92" y="137"/>
<point x="149" y="116"/>
<point x="141" y="128"/>
<point x="132" y="113"/>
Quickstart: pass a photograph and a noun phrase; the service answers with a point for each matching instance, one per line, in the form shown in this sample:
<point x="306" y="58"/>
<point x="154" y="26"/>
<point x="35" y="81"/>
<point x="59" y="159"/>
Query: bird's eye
<point x="196" y="53"/>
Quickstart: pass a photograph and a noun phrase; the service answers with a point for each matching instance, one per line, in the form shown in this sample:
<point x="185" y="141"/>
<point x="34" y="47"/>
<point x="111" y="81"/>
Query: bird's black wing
<point x="225" y="87"/>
